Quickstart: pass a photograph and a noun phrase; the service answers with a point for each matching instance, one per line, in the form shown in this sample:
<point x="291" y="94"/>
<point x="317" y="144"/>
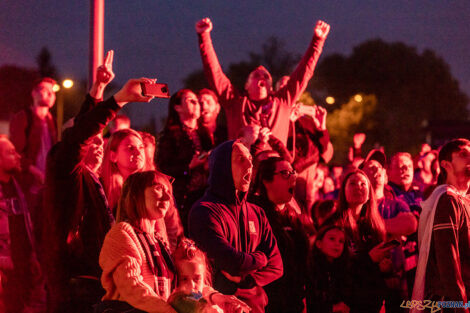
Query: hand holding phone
<point x="155" y="90"/>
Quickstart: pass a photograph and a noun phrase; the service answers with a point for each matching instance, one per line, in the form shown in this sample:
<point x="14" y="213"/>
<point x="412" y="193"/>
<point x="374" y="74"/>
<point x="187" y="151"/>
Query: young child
<point x="328" y="280"/>
<point x="194" y="293"/>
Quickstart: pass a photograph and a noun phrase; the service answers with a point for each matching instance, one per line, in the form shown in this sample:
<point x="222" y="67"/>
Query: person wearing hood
<point x="234" y="233"/>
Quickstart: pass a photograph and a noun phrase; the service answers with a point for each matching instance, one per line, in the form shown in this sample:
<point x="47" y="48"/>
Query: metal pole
<point x="96" y="38"/>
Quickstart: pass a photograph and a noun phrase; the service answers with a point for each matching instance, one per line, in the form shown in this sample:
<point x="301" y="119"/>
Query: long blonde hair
<point x="110" y="174"/>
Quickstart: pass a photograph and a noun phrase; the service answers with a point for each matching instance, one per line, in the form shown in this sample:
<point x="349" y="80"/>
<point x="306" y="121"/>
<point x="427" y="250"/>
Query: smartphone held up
<point x="155" y="90"/>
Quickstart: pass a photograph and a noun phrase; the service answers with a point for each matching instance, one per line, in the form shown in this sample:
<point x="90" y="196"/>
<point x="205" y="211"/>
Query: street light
<point x="358" y="98"/>
<point x="330" y="100"/>
<point x="67" y="84"/>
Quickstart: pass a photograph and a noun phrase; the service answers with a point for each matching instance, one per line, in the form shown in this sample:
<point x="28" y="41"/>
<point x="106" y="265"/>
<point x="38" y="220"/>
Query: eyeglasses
<point x="286" y="174"/>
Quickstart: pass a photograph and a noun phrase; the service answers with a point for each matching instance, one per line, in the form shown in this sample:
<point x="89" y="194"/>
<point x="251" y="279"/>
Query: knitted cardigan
<point x="126" y="273"/>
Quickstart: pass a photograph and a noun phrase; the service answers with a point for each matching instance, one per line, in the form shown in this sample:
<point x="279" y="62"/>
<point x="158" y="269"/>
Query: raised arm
<point x="93" y="121"/>
<point x="299" y="79"/>
<point x="212" y="69"/>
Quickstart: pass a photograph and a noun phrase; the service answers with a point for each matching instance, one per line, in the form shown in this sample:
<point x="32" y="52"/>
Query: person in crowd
<point x="355" y="152"/>
<point x="76" y="213"/>
<point x="183" y="150"/>
<point x="329" y="279"/>
<point x="365" y="230"/>
<point x="33" y="130"/>
<point x="194" y="274"/>
<point x="210" y="109"/>
<point x="20" y="274"/>
<point x="398" y="220"/>
<point x="123" y="156"/>
<point x="321" y="212"/>
<point x="443" y="272"/>
<point x="119" y="122"/>
<point x="400" y="174"/>
<point x="272" y="190"/>
<point x="233" y="232"/>
<point x="149" y="148"/>
<point x="424" y="175"/>
<point x="258" y="102"/>
<point x="138" y="270"/>
<point x="312" y="145"/>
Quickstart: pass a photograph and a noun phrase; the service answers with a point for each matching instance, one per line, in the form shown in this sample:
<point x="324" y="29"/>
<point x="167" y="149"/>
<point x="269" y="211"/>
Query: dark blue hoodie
<point x="235" y="234"/>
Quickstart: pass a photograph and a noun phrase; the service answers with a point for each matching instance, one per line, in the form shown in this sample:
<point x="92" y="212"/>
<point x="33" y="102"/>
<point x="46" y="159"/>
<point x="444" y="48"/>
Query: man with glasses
<point x="443" y="271"/>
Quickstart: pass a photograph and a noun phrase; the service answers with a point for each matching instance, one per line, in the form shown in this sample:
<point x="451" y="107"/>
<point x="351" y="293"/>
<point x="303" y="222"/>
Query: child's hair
<point x="187" y="250"/>
<point x="321" y="234"/>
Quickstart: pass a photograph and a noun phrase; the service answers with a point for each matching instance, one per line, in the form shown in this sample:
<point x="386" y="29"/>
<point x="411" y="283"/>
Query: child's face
<point x="332" y="244"/>
<point x="190" y="276"/>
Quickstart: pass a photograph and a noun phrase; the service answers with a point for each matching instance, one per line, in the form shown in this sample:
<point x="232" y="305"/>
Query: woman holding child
<point x="138" y="269"/>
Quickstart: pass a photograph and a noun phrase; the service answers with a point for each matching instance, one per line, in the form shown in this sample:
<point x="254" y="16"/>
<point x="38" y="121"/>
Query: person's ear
<point x="177" y="108"/>
<point x="446" y="165"/>
<point x="113" y="156"/>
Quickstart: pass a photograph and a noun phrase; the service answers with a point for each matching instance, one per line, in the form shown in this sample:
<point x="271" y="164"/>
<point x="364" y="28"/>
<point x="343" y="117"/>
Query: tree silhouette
<point x="411" y="88"/>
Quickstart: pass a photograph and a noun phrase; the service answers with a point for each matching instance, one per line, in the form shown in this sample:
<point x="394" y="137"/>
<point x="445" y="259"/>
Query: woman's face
<point x="332" y="244"/>
<point x="357" y="189"/>
<point x="189" y="109"/>
<point x="281" y="189"/>
<point x="190" y="276"/>
<point x="157" y="199"/>
<point x="130" y="155"/>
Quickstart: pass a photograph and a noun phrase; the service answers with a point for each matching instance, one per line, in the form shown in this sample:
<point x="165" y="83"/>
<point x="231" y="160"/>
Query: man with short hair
<point x="398" y="220"/>
<point x="19" y="267"/>
<point x="33" y="130"/>
<point x="443" y="272"/>
<point x="234" y="233"/>
<point x="400" y="174"/>
<point x="210" y="109"/>
<point x="258" y="104"/>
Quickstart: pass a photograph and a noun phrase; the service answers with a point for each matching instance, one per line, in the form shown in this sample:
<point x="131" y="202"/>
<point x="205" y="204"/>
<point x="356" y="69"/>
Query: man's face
<point x="401" y="171"/>
<point x="94" y="153"/>
<point x="9" y="158"/>
<point x="241" y="167"/>
<point x="460" y="164"/>
<point x="43" y="95"/>
<point x="210" y="108"/>
<point x="258" y="84"/>
<point x="375" y="172"/>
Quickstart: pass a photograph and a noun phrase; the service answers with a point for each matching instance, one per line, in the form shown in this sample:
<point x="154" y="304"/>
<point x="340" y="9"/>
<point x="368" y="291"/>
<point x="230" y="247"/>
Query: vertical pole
<point x="96" y="38"/>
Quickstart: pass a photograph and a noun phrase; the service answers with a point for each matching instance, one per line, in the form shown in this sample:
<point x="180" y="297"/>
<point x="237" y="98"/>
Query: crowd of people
<point x="242" y="216"/>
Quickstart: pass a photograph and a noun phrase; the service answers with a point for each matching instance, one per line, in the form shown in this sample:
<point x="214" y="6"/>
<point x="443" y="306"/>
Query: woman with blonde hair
<point x="123" y="156"/>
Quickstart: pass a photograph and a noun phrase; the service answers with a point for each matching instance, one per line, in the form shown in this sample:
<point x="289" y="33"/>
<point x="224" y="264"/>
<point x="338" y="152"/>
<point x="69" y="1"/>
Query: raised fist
<point x="322" y="29"/>
<point x="204" y="26"/>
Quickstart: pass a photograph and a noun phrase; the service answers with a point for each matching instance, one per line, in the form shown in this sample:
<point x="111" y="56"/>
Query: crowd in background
<point x="236" y="216"/>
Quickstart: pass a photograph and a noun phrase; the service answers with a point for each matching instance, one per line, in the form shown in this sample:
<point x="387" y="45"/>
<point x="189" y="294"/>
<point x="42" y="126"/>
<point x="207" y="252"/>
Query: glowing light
<point x="56" y="88"/>
<point x="68" y="83"/>
<point x="330" y="100"/>
<point x="358" y="98"/>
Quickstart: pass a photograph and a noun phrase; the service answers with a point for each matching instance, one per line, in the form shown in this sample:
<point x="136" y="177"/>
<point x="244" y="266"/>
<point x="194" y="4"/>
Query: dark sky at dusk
<point x="157" y="38"/>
